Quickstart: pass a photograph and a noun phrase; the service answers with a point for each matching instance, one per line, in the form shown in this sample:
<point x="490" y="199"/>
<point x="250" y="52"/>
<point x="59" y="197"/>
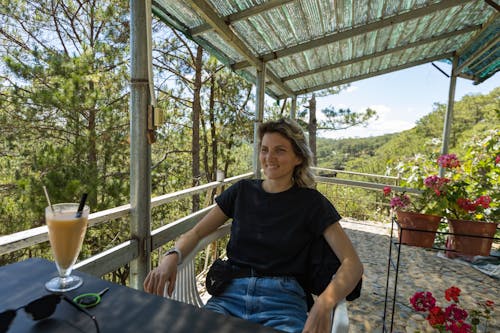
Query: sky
<point x="400" y="98"/>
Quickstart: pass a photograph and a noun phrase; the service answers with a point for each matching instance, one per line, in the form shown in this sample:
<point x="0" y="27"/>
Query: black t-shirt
<point x="272" y="232"/>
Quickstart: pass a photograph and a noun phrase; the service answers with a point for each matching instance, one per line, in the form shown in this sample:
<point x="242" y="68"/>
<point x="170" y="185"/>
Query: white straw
<point x="48" y="199"/>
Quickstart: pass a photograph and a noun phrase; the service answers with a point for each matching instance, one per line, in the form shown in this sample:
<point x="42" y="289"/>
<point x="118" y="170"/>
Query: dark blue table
<point x="122" y="309"/>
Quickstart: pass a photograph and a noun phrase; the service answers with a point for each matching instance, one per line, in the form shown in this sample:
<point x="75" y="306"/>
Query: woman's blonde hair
<point x="290" y="129"/>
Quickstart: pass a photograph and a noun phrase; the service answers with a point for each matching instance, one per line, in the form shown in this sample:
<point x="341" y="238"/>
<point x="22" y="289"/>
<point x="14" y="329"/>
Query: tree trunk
<point x="93" y="174"/>
<point x="312" y="127"/>
<point x="213" y="131"/>
<point x="196" y="126"/>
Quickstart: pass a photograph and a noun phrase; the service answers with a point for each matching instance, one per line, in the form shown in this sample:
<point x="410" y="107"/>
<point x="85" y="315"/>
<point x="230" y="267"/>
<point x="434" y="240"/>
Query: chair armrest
<point x="185" y="289"/>
<point x="340" y="320"/>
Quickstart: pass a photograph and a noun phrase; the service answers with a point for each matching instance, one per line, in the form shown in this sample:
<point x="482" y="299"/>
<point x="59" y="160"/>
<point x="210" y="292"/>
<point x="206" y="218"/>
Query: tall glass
<point x="66" y="233"/>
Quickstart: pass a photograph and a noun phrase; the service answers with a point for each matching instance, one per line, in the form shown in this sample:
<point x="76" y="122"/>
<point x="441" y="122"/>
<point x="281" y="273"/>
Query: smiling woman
<point x="276" y="222"/>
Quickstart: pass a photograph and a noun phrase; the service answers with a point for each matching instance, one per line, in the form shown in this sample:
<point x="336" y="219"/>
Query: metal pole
<point x="293" y="110"/>
<point x="259" y="115"/>
<point x="449" y="112"/>
<point x="140" y="150"/>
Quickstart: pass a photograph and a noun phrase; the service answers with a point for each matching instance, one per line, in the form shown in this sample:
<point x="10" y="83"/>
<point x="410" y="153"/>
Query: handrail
<point x="366" y="185"/>
<point x="357" y="173"/>
<point x="120" y="255"/>
<point x="30" y="237"/>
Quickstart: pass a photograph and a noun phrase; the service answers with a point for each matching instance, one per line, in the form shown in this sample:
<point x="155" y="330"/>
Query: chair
<point x="186" y="290"/>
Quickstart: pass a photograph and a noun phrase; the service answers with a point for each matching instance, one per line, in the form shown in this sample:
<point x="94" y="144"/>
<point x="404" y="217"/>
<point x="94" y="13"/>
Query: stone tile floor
<point x="420" y="270"/>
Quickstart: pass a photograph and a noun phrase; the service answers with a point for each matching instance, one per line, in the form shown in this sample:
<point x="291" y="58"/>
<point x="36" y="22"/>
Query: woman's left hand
<point x="319" y="318"/>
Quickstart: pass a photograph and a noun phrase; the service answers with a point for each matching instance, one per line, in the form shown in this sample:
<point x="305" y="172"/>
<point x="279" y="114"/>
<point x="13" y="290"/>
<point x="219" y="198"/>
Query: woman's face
<point x="277" y="157"/>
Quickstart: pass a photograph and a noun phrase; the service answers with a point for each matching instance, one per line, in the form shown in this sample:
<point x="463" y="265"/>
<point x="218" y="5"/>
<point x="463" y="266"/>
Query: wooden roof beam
<point x="229" y="19"/>
<point x="360" y="30"/>
<point x="210" y="16"/>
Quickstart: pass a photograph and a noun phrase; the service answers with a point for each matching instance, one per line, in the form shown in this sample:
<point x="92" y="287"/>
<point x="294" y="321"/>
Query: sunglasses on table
<point x="39" y="309"/>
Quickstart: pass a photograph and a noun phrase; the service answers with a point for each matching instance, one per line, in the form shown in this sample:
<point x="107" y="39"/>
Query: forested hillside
<point x="473" y="115"/>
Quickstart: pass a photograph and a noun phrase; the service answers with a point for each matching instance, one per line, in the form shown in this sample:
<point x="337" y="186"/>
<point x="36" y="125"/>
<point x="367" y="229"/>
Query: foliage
<point x="63" y="106"/>
<point x="468" y="190"/>
<point x="452" y="318"/>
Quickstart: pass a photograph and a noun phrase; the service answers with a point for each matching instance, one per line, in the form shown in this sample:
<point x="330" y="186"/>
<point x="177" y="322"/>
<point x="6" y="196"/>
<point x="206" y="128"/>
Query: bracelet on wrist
<point x="175" y="250"/>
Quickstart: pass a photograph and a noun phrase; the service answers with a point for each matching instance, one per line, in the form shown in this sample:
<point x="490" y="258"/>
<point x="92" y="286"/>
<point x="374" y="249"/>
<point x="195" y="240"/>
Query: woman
<point x="274" y="223"/>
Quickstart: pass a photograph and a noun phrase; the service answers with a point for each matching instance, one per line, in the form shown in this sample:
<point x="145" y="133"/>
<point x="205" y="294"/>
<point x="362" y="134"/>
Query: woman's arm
<point x="345" y="280"/>
<point x="167" y="269"/>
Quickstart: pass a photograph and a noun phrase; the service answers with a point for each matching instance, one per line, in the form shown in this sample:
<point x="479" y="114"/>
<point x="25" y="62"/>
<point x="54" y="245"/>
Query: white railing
<point x="120" y="255"/>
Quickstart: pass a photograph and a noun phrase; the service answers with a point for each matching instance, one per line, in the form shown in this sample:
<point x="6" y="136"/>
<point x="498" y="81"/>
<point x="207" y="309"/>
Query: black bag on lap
<point x="218" y="277"/>
<point x="323" y="264"/>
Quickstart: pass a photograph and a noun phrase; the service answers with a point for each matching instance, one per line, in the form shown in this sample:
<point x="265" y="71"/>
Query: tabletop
<point x="122" y="309"/>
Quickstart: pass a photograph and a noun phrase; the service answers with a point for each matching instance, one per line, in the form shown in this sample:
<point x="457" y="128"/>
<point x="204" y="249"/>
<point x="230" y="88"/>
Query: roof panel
<point x="309" y="44"/>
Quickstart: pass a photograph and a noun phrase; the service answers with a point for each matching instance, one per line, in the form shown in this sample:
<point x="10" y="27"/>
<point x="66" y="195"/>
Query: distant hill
<point x="336" y="153"/>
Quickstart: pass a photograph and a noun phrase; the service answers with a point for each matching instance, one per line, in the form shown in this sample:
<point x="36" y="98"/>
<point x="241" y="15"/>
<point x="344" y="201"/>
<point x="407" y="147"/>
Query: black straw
<point x="82" y="204"/>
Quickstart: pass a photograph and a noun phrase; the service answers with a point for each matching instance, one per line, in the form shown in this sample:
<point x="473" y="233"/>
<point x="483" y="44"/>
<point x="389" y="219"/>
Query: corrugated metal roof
<point x="310" y="45"/>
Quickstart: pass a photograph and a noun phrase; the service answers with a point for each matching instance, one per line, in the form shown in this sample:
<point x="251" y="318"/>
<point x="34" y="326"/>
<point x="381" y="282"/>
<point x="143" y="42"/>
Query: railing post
<point x="293" y="109"/>
<point x="449" y="112"/>
<point x="140" y="150"/>
<point x="259" y="115"/>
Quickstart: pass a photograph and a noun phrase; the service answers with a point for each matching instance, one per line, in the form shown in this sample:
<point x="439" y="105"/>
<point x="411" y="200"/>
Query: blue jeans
<point x="277" y="302"/>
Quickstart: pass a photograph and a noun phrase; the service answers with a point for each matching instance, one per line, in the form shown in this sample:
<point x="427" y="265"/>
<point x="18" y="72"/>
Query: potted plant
<point x="417" y="225"/>
<point x="466" y="193"/>
<point x="470" y="213"/>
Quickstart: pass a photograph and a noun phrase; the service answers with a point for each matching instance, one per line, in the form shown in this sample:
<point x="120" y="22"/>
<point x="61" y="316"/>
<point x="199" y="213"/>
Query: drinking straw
<point x="82" y="204"/>
<point x="48" y="199"/>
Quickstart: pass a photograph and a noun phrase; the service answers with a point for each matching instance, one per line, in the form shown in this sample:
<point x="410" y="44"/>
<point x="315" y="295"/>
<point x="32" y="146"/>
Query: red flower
<point x="453" y="317"/>
<point x="452" y="293"/>
<point x="497" y="159"/>
<point x="387" y="190"/>
<point x="483" y="201"/>
<point x="467" y="205"/>
<point x="436" y="316"/>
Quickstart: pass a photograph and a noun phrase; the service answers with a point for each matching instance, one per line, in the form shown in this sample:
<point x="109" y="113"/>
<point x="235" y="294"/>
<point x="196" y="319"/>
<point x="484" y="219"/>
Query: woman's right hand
<point x="165" y="273"/>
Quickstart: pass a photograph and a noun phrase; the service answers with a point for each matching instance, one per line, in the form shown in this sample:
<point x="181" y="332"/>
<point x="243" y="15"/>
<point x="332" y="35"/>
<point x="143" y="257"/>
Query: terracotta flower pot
<point x="428" y="224"/>
<point x="463" y="241"/>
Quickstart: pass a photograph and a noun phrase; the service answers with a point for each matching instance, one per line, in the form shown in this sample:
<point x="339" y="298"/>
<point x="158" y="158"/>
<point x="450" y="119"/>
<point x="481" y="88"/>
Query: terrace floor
<point x="420" y="270"/>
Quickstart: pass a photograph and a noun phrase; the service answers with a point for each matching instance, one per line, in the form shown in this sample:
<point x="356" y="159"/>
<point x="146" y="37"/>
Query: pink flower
<point x="459" y="327"/>
<point x="400" y="201"/>
<point x="423" y="301"/>
<point x="436" y="183"/>
<point x="497" y="159"/>
<point x="448" y="161"/>
<point x="454" y="313"/>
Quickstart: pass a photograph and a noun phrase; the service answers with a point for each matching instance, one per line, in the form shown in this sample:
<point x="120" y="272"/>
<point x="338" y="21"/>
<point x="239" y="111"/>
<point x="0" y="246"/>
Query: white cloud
<point x="351" y="89"/>
<point x="388" y="122"/>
